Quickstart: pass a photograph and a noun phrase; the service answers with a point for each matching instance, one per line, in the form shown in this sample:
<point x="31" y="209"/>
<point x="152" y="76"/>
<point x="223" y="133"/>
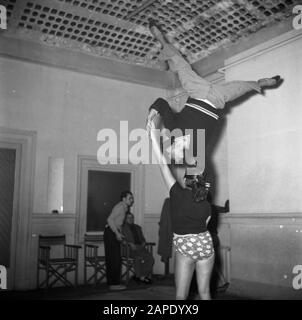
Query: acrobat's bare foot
<point x="154" y="29"/>
<point x="270" y="82"/>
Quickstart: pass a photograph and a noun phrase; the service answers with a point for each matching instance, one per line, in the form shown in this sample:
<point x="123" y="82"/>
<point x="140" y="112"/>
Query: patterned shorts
<point x="195" y="246"/>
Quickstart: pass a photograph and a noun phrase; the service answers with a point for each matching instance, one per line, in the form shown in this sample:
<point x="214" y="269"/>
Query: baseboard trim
<point x="262" y="291"/>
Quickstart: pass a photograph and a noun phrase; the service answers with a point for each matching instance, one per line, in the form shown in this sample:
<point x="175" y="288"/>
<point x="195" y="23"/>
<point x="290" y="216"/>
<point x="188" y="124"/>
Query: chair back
<point x="93" y="238"/>
<point x="56" y="259"/>
<point x="52" y="240"/>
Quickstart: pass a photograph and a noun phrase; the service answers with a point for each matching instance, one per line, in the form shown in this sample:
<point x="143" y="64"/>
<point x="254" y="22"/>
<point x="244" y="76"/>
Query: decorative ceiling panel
<point x="118" y="29"/>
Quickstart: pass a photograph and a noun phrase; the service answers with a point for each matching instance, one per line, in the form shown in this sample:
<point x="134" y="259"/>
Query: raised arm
<point x="165" y="170"/>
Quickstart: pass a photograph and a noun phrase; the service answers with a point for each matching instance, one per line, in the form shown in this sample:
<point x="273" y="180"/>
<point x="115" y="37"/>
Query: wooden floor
<point x="162" y="288"/>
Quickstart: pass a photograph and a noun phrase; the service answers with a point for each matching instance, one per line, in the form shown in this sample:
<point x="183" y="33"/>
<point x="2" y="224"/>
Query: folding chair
<point x="93" y="259"/>
<point x="57" y="268"/>
<point x="128" y="261"/>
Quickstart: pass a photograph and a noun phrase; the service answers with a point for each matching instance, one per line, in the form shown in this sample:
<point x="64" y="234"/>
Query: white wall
<point x="265" y="134"/>
<point x="264" y="137"/>
<point x="67" y="109"/>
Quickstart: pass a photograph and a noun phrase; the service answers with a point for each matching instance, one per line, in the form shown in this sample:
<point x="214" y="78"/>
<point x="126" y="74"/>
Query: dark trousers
<point x="113" y="257"/>
<point x="143" y="261"/>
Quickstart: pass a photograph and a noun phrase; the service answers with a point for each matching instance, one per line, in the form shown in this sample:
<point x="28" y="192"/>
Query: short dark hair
<point x="198" y="186"/>
<point x="124" y="194"/>
<point x="129" y="213"/>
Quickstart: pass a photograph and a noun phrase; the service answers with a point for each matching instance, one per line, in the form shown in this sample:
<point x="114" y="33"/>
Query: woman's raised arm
<point x="164" y="168"/>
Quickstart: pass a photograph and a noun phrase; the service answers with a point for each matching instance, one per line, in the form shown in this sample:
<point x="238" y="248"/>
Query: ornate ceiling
<point x="118" y="29"/>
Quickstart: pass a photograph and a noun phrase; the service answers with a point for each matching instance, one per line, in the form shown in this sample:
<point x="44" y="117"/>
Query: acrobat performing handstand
<point x="202" y="109"/>
<point x="190" y="210"/>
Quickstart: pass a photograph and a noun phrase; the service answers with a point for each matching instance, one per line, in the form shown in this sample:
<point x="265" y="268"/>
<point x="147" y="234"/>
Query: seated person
<point x="143" y="260"/>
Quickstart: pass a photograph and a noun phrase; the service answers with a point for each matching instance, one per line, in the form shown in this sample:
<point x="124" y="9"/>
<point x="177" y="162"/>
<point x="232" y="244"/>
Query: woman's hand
<point x="119" y="236"/>
<point x="132" y="246"/>
<point x="150" y="125"/>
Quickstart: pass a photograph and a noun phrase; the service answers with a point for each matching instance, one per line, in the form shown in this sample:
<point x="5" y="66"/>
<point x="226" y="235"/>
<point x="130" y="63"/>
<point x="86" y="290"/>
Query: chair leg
<point x="47" y="276"/>
<point x="58" y="276"/>
<point x="99" y="272"/>
<point x="95" y="274"/>
<point x="65" y="272"/>
<point x="38" y="277"/>
<point x="76" y="276"/>
<point x="128" y="274"/>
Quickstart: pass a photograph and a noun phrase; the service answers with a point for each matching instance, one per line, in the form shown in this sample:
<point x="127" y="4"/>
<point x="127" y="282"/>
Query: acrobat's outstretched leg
<point x="198" y="87"/>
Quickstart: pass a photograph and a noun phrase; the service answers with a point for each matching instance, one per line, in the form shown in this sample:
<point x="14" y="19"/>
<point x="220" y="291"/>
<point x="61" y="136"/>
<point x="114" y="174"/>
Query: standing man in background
<point x="112" y="240"/>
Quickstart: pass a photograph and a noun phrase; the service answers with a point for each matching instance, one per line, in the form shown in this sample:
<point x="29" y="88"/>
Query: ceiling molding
<point x="216" y="60"/>
<point x="118" y="29"/>
<point x="80" y="62"/>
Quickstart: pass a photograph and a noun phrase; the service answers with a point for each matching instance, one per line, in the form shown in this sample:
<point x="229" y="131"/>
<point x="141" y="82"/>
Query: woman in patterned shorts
<point x="190" y="213"/>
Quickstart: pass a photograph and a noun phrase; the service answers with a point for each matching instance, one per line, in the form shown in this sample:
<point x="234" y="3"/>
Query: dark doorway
<point x="104" y="190"/>
<point x="7" y="183"/>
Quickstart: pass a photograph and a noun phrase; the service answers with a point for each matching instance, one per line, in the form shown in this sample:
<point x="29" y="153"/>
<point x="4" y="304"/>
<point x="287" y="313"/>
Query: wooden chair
<point x="92" y="258"/>
<point x="128" y="261"/>
<point x="57" y="267"/>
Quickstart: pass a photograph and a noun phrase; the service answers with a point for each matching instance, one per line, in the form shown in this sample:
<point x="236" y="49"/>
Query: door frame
<point x="14" y="224"/>
<point x="24" y="142"/>
<point x="86" y="163"/>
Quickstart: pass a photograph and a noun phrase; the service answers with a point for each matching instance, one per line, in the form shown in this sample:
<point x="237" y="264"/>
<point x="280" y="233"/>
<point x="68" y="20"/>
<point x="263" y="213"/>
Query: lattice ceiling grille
<point x="98" y="27"/>
<point x="85" y="30"/>
<point x="9" y="4"/>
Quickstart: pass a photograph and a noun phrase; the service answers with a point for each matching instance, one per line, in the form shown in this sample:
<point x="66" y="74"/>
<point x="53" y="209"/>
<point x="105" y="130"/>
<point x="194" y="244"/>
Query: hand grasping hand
<point x="150" y="120"/>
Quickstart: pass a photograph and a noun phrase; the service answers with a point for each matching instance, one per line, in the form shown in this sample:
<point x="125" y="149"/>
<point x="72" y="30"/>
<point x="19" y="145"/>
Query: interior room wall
<point x="265" y="171"/>
<point x="67" y="109"/>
